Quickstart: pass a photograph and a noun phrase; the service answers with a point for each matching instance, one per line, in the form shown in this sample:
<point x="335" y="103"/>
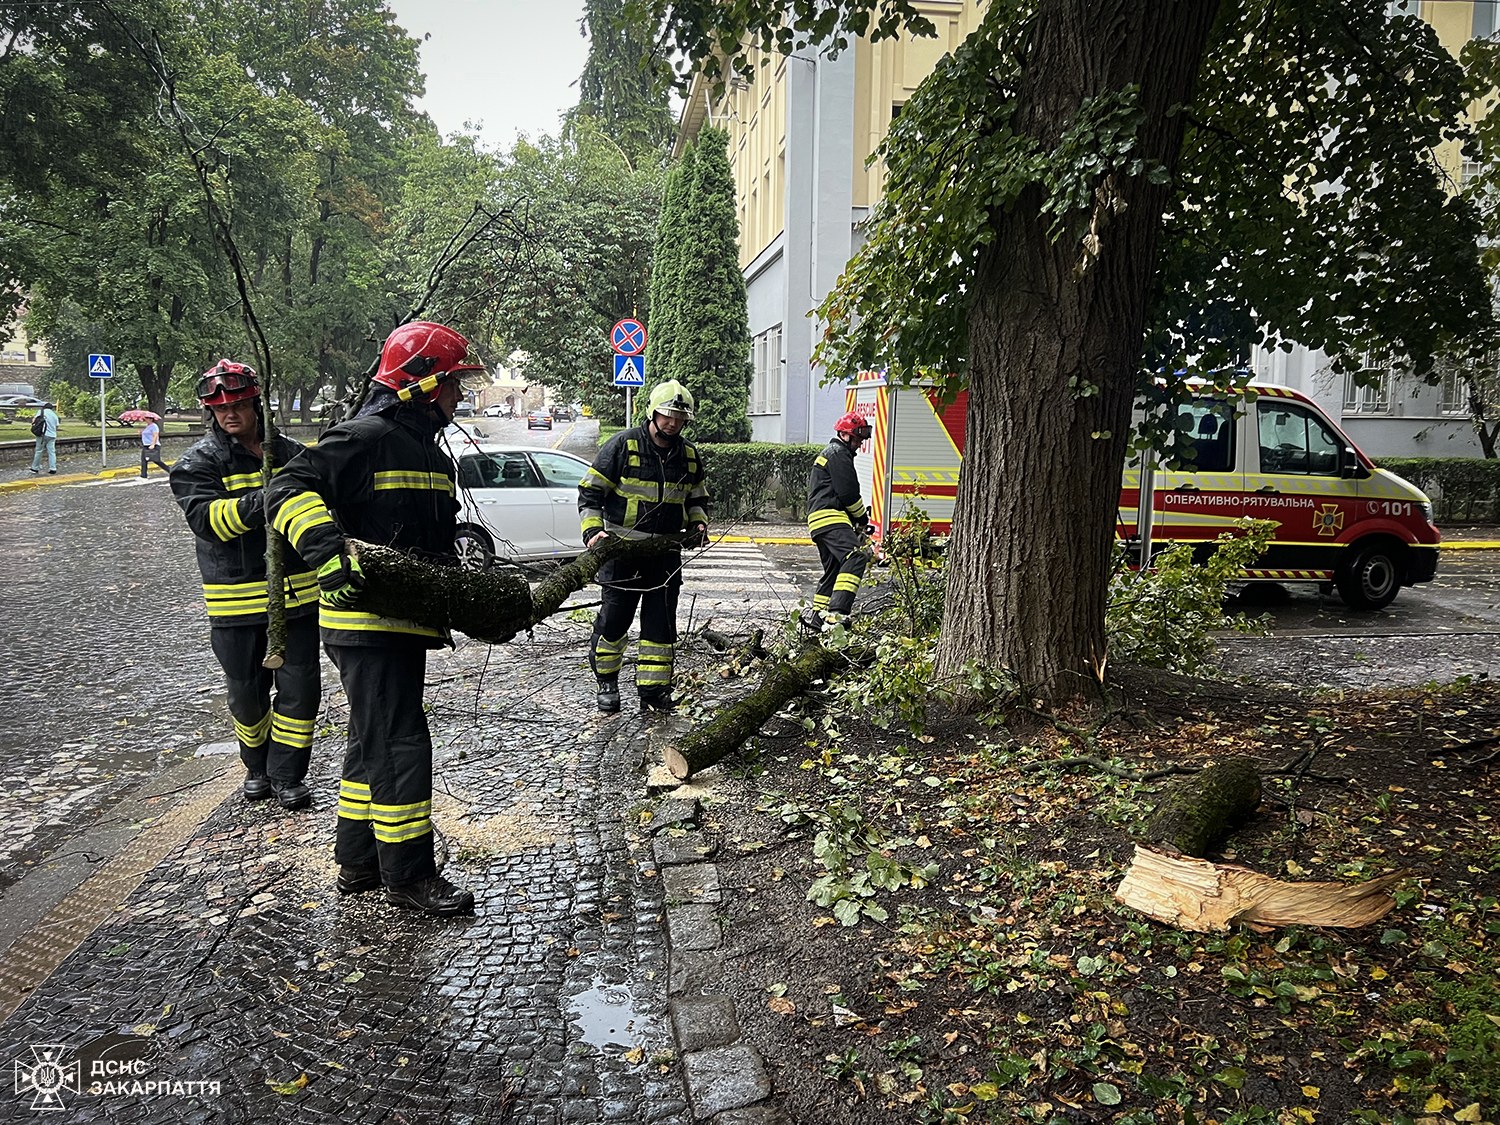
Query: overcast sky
<point x="508" y="64"/>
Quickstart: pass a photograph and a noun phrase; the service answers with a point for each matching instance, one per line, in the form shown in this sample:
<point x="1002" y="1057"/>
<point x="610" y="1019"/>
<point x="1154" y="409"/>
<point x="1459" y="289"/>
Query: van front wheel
<point x="1371" y="579"/>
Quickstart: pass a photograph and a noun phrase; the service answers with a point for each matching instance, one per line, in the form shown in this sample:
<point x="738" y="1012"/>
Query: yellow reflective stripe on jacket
<point x="243" y="482"/>
<point x="301" y="589"/>
<point x="224" y="519"/>
<point x="390" y="479"/>
<point x="856" y="510"/>
<point x="299" y="515"/>
<point x="825" y="518"/>
<point x="595" y="479"/>
<point x="352" y="620"/>
<point x="238" y="599"/>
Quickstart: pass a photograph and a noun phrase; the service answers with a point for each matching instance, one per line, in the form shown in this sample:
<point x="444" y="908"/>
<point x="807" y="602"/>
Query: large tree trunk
<point x="1029" y="564"/>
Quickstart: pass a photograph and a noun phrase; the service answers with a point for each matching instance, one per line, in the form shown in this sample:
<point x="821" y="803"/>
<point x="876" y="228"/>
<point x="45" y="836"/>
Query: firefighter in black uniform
<point x="645" y="481"/>
<point x="218" y="484"/>
<point x="381" y="477"/>
<point x="838" y="522"/>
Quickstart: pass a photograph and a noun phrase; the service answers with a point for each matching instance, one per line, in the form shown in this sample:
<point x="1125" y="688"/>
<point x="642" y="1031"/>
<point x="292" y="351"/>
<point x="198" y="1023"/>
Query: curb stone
<point x="726" y="1078"/>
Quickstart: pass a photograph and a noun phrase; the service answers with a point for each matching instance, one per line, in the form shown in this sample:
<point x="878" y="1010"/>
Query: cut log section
<point x="1194" y="894"/>
<point x="1199" y="812"/>
<point x="488" y="605"/>
<point x="736" y="724"/>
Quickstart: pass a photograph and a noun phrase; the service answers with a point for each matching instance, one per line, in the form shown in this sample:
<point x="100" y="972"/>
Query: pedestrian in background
<point x="382" y="478"/>
<point x="151" y="446"/>
<point x="218" y="484"/>
<point x="46" y="440"/>
<point x="838" y="523"/>
<point x="645" y="481"/>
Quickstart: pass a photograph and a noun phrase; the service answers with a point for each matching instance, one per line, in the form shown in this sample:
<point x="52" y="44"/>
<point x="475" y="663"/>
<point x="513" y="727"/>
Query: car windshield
<point x="560" y="471"/>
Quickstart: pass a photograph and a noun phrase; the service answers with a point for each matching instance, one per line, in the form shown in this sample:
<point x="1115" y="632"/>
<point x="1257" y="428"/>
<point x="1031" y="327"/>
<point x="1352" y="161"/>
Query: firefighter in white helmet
<point x="645" y="481"/>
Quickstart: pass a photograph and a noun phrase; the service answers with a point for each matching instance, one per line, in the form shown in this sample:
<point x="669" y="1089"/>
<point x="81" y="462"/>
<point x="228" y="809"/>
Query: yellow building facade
<point x="800" y="137"/>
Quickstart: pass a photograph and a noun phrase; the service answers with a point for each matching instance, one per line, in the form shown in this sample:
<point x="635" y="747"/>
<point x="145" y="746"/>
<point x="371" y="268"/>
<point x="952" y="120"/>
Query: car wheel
<point x="1372" y="578"/>
<point x="474" y="547"/>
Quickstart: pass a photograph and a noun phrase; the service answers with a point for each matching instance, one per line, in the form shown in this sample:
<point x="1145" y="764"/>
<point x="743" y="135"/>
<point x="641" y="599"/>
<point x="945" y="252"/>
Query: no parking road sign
<point x="630" y="371"/>
<point x="102" y="366"/>
<point x="628" y="337"/>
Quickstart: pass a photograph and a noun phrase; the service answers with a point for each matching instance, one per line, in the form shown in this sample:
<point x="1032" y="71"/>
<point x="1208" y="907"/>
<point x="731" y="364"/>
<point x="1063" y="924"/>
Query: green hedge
<point x="750" y="478"/>
<point x="1463" y="489"/>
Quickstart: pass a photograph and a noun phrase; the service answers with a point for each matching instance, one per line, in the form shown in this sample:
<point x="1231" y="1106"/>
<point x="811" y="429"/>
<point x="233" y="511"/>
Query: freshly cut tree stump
<point x="1194" y="894"/>
<point x="1199" y="812"/>
<point x="736" y="724"/>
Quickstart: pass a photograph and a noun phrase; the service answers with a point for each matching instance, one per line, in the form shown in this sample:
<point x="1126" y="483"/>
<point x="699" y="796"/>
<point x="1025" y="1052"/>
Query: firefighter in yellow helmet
<point x="645" y="481"/>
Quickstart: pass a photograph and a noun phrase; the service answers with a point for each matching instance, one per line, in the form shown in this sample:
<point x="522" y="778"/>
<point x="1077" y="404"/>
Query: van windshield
<point x="1295" y="440"/>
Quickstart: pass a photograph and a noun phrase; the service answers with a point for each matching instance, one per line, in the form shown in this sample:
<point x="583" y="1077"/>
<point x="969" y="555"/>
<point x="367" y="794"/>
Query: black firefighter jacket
<point x="218" y="484"/>
<point x="381" y="478"/>
<point x="833" y="491"/>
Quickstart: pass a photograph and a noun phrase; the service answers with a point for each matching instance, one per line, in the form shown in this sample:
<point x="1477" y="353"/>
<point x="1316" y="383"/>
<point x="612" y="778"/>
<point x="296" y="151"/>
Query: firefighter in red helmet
<point x="218" y="484"/>
<point x="381" y="477"/>
<point x="838" y="522"/>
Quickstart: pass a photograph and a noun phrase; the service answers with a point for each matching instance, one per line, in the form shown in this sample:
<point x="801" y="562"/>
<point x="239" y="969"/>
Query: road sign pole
<point x="103" y="433"/>
<point x="629" y="397"/>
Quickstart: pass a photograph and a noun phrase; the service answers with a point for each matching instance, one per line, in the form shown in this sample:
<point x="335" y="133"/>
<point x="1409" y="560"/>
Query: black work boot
<point x="292" y="794"/>
<point x="609" y="694"/>
<point x="435" y="895"/>
<point x="356" y="880"/>
<point x="656" y="698"/>
<point x="257" y="787"/>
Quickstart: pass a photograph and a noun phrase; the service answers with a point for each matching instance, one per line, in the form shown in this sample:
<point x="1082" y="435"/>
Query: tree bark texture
<point x="736" y="724"/>
<point x="490" y="605"/>
<point x="1199" y="812"/>
<point x="1029" y="562"/>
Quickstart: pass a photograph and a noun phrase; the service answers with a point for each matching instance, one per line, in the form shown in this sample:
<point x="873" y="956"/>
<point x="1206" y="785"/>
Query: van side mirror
<point x="1353" y="470"/>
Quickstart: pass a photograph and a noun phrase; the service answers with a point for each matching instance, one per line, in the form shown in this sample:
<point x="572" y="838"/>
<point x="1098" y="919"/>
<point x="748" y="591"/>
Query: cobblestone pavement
<point x="108" y="673"/>
<point x="232" y="983"/>
<point x="235" y="963"/>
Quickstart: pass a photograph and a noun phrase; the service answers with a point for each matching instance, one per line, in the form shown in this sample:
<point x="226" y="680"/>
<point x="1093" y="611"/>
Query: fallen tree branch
<point x="489" y="605"/>
<point x="736" y="724"/>
<point x="1195" y="816"/>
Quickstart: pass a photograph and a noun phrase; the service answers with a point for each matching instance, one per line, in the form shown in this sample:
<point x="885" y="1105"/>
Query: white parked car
<point x="499" y="410"/>
<point x="520" y="505"/>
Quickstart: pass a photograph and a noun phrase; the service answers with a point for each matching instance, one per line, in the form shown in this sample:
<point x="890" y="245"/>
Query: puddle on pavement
<point x="605" y="1015"/>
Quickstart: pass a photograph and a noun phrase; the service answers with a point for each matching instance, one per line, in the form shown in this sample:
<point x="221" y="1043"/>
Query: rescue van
<point x="1265" y="453"/>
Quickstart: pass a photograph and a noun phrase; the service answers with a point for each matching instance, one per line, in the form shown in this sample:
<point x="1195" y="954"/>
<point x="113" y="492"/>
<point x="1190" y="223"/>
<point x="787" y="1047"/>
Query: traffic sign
<point x="628" y="337"/>
<point x="102" y="366"/>
<point x="630" y="371"/>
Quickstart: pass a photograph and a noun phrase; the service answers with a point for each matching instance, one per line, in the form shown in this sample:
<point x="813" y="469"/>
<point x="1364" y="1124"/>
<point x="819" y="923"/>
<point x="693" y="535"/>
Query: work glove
<point x="340" y="579"/>
<point x="697" y="536"/>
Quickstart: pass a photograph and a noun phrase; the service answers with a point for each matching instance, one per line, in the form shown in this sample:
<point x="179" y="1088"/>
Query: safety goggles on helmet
<point x="226" y="382"/>
<point x="853" y="425"/>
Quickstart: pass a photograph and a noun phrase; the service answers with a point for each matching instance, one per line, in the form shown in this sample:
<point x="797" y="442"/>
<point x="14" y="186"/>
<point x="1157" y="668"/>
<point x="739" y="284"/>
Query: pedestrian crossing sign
<point x="102" y="366"/>
<point x="630" y="371"/>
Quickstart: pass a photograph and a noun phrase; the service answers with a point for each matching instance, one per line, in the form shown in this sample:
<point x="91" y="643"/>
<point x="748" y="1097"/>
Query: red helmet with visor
<point x="418" y="356"/>
<point x="226" y="382"/>
<point x="853" y="425"/>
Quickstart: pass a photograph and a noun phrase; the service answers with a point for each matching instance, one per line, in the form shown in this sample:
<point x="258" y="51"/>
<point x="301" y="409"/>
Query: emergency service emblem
<point x="1329" y="519"/>
<point x="47" y="1076"/>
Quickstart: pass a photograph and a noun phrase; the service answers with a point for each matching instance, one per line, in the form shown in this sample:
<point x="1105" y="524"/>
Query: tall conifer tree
<point x="624" y="82"/>
<point x="666" y="273"/>
<point x="711" y="345"/>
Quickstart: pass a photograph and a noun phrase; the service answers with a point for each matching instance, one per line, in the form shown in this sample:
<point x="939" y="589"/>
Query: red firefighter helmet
<point x="418" y="356"/>
<point x="228" y="381"/>
<point x="853" y="425"/>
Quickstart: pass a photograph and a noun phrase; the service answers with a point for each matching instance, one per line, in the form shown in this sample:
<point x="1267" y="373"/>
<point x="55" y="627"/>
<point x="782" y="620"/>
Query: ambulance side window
<point x="1206" y="437"/>
<point x="1295" y="440"/>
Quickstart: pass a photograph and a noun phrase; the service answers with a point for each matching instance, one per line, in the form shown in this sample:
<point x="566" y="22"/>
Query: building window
<point x="765" y="390"/>
<point x="1453" y="396"/>
<point x="1484" y="18"/>
<point x="1369" y="390"/>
